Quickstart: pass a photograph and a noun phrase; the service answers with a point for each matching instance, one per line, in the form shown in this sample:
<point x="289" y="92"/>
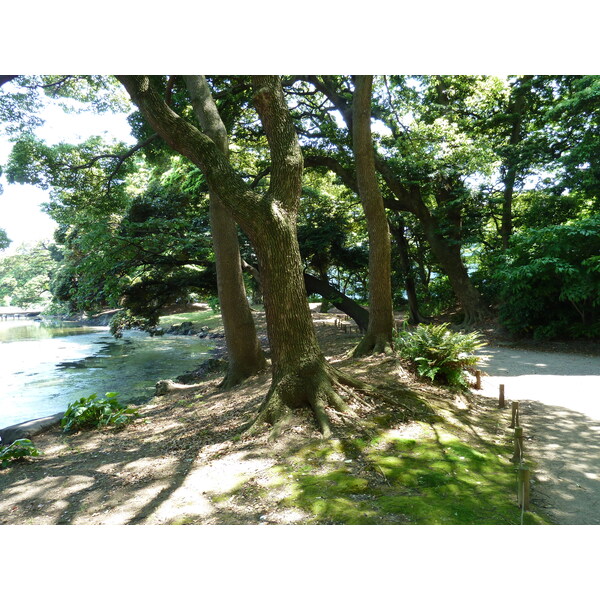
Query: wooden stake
<point x="501" y="398"/>
<point x="477" y="380"/>
<point x="518" y="455"/>
<point x="523" y="489"/>
<point x="514" y="421"/>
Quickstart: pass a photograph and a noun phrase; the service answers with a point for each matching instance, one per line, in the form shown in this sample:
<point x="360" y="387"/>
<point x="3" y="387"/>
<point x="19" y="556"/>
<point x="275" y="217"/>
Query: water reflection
<point x="43" y="368"/>
<point x="11" y="330"/>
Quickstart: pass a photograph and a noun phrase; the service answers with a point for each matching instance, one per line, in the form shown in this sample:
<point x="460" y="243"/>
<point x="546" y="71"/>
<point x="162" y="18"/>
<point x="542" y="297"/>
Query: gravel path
<point x="560" y="416"/>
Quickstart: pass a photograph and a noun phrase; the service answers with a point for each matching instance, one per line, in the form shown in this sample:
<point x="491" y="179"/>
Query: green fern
<point x="439" y="354"/>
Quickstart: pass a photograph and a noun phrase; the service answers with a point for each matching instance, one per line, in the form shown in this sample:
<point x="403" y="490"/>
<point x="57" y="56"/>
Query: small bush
<point x="18" y="449"/>
<point x="439" y="354"/>
<point x="93" y="412"/>
<point x="213" y="302"/>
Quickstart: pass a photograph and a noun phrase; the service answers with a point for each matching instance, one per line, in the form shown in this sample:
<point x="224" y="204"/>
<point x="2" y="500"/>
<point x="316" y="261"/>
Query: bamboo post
<point x="523" y="489"/>
<point x="514" y="421"/>
<point x="501" y="397"/>
<point x="518" y="455"/>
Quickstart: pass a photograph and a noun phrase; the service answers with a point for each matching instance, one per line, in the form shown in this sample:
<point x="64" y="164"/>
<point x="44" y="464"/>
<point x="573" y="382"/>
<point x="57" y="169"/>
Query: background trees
<point x="469" y="167"/>
<point x="25" y="276"/>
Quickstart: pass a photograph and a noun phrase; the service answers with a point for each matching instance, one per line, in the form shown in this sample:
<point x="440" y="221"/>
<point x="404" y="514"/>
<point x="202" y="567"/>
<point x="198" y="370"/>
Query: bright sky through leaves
<point x="20" y="205"/>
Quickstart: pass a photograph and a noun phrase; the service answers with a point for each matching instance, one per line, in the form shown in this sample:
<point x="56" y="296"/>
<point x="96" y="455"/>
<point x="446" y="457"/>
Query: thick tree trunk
<point x="379" y="336"/>
<point x="301" y="375"/>
<point x="446" y="251"/>
<point x="314" y="285"/>
<point x="409" y="199"/>
<point x="448" y="255"/>
<point x="245" y="355"/>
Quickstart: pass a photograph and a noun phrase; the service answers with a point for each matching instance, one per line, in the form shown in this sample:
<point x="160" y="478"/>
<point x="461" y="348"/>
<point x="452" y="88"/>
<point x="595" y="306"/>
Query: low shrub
<point x="438" y="353"/>
<point x="94" y="412"/>
<point x="550" y="282"/>
<point x="18" y="449"/>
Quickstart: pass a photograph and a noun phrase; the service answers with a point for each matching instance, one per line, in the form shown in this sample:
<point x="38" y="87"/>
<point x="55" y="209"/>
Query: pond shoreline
<point x="45" y="370"/>
<point x="31" y="427"/>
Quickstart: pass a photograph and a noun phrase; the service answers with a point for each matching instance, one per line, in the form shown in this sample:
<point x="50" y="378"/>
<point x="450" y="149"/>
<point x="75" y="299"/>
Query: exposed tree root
<point x="373" y="344"/>
<point x="316" y="387"/>
<point x="236" y="376"/>
<point x="473" y="318"/>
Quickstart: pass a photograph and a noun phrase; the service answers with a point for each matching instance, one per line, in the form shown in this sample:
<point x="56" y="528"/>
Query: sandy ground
<point x="559" y="398"/>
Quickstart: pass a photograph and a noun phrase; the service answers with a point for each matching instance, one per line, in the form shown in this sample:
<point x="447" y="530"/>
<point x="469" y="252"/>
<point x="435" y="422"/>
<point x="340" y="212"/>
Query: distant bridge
<point x="11" y="313"/>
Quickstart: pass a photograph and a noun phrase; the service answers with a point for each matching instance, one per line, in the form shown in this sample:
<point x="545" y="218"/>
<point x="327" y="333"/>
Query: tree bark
<point x="414" y="315"/>
<point x="517" y="109"/>
<point x="409" y="199"/>
<point x="379" y="336"/>
<point x="301" y="375"/>
<point x="245" y="354"/>
<point x="314" y="285"/>
<point x="446" y="251"/>
<point x="338" y="299"/>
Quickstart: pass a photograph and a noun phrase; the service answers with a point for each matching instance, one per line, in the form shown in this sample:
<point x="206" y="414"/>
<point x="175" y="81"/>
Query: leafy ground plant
<point x="438" y="353"/>
<point x="94" y="412"/>
<point x="17" y="450"/>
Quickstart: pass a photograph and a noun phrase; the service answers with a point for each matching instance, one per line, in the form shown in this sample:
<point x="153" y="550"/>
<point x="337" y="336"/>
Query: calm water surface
<point x="43" y="368"/>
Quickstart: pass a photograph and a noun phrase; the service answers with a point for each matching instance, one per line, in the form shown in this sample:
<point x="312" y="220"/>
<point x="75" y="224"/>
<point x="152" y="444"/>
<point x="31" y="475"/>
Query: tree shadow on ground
<point x="99" y="472"/>
<point x="564" y="446"/>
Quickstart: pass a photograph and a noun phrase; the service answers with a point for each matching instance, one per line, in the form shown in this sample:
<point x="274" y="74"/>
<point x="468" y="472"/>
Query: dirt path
<point x="560" y="415"/>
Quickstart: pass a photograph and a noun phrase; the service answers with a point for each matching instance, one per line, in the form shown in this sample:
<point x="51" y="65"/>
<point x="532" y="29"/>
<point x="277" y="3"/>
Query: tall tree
<point x="379" y="336"/>
<point x="516" y="109"/>
<point x="243" y="348"/>
<point x="410" y="188"/>
<point x="301" y="375"/>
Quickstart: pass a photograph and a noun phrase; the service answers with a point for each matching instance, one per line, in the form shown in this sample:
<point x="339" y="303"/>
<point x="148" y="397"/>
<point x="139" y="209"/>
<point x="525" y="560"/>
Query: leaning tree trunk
<point x="342" y="302"/>
<point x="449" y="257"/>
<point x="446" y="251"/>
<point x="323" y="288"/>
<point x="245" y="356"/>
<point x="379" y="336"/>
<point x="301" y="375"/>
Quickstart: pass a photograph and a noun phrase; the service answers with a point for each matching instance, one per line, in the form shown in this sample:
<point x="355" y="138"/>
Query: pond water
<point x="44" y="367"/>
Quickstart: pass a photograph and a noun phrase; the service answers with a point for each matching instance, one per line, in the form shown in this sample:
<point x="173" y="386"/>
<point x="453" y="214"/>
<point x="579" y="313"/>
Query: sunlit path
<point x="560" y="408"/>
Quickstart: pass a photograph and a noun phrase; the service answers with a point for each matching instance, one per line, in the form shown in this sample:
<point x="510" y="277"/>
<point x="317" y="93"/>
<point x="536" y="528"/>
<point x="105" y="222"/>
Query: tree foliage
<point x="25" y="276"/>
<point x="551" y="281"/>
<point x="479" y="170"/>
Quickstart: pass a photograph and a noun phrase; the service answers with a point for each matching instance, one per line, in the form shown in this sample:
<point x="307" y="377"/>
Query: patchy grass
<point x="203" y="318"/>
<point x="434" y="479"/>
